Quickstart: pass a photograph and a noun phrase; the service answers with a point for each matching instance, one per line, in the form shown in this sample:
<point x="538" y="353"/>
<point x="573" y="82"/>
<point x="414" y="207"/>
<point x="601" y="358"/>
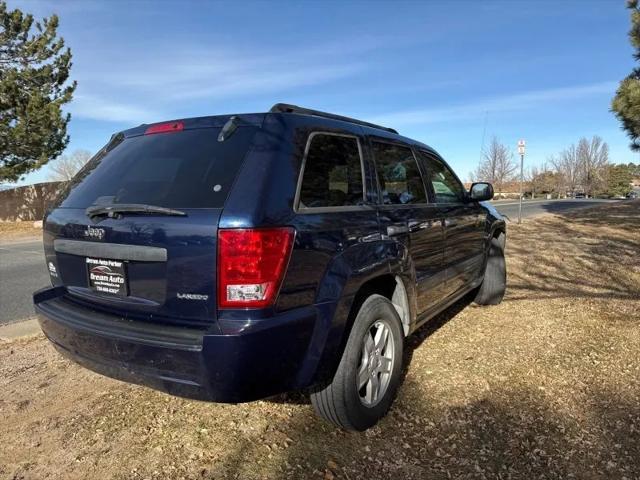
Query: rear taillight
<point x="251" y="265"/>
<point x="165" y="128"/>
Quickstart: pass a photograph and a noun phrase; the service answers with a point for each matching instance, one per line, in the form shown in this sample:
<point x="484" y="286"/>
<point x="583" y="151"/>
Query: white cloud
<point x="257" y="81"/>
<point x="99" y="108"/>
<point x="165" y="79"/>
<point x="514" y="102"/>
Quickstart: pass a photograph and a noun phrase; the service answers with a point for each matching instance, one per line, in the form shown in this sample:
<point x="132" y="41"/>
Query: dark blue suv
<point x="234" y="257"/>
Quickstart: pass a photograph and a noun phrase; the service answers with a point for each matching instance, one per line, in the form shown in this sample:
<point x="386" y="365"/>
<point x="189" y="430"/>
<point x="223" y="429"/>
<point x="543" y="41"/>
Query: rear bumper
<point x="261" y="358"/>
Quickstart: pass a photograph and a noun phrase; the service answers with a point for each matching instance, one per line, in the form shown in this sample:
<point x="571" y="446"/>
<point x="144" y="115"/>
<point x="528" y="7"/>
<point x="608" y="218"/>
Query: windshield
<point x="188" y="169"/>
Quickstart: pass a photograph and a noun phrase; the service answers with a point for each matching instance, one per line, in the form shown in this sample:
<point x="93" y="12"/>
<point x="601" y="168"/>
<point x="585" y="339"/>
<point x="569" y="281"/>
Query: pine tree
<point x="34" y="73"/>
<point x="618" y="180"/>
<point x="626" y="103"/>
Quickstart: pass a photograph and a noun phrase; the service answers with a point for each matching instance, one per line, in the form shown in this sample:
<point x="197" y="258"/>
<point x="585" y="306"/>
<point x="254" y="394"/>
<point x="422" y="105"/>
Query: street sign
<point x="521" y="145"/>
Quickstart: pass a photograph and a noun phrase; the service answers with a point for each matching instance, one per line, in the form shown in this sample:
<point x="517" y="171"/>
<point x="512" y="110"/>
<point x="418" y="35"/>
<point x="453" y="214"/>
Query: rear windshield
<point x="188" y="169"/>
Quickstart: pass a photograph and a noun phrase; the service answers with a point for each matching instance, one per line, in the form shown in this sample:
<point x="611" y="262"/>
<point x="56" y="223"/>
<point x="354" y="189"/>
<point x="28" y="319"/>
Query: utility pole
<point x="521" y="146"/>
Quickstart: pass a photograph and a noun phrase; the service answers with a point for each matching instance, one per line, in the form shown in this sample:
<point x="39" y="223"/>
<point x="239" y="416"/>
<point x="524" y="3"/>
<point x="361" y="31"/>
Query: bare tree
<point x="528" y="174"/>
<point x="66" y="166"/>
<point x="567" y="164"/>
<point x="532" y="176"/>
<point x="559" y="186"/>
<point x="497" y="165"/>
<point x="593" y="157"/>
<point x="583" y="167"/>
<point x="544" y="180"/>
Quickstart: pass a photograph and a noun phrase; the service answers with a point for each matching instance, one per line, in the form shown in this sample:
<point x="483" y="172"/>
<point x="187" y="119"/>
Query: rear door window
<point x="398" y="175"/>
<point x="332" y="175"/>
<point x="188" y="169"/>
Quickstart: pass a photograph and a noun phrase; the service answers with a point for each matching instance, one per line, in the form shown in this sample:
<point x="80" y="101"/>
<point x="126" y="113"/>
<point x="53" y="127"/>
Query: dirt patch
<point x="16" y="231"/>
<point x="545" y="385"/>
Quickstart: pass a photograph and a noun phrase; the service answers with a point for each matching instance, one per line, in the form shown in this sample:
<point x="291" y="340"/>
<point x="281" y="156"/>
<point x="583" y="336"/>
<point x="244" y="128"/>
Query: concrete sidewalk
<point x="23" y="328"/>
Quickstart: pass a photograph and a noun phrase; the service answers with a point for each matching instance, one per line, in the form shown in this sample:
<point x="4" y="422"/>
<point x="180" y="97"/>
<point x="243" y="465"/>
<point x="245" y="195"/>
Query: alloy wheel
<point x="376" y="363"/>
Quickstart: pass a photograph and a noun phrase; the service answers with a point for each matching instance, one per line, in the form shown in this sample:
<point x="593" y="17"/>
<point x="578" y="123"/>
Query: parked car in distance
<point x="234" y="257"/>
<point x="632" y="195"/>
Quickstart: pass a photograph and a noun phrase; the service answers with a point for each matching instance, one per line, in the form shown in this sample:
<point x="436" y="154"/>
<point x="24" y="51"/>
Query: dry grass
<point x="545" y="385"/>
<point x="11" y="231"/>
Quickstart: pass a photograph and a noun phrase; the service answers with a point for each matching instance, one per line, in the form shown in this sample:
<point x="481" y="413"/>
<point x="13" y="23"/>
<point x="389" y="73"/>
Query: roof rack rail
<point x="287" y="108"/>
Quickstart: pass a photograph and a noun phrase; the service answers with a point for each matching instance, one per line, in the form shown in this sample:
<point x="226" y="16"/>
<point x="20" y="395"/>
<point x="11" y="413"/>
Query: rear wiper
<point x="115" y="210"/>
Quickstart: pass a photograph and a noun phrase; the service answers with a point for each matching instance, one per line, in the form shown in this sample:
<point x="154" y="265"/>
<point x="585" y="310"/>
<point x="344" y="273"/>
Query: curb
<point x="23" y="328"/>
<point x="19" y="239"/>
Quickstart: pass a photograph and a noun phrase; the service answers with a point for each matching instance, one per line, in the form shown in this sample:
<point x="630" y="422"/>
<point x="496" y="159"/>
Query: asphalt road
<point x="530" y="208"/>
<point x="23" y="270"/>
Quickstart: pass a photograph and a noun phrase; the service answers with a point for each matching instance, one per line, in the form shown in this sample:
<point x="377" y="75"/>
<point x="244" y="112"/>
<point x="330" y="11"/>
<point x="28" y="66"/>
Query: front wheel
<point x="368" y="376"/>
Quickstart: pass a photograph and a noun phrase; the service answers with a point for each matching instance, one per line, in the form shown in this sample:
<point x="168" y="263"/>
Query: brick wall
<point x="28" y="203"/>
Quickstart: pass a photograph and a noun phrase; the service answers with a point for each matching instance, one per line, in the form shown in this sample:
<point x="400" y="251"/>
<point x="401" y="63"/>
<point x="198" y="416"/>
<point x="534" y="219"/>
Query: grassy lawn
<point x="545" y="385"/>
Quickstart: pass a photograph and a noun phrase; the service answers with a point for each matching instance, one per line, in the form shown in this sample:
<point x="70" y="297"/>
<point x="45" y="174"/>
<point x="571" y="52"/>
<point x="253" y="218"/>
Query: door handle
<point x="397" y="229"/>
<point x="414" y="225"/>
<point x="374" y="237"/>
<point x="447" y="222"/>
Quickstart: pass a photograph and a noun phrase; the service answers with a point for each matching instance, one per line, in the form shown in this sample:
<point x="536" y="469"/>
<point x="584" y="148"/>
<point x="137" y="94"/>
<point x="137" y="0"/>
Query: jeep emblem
<point x="93" y="232"/>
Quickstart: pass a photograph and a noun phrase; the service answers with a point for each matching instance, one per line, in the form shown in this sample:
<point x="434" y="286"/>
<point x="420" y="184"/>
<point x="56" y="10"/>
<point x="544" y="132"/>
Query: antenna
<point x="484" y="133"/>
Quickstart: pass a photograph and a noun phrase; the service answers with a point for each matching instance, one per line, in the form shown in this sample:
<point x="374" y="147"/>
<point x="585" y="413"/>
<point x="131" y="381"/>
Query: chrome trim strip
<point x="113" y="251"/>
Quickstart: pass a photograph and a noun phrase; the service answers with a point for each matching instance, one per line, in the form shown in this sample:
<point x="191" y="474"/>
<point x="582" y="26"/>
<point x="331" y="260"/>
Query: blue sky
<point x="436" y="71"/>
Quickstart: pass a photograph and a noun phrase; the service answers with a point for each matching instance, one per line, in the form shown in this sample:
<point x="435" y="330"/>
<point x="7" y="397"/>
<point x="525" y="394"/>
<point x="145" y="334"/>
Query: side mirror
<point x="481" y="191"/>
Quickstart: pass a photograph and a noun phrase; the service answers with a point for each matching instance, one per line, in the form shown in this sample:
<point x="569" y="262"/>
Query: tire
<point x="494" y="284"/>
<point x="342" y="402"/>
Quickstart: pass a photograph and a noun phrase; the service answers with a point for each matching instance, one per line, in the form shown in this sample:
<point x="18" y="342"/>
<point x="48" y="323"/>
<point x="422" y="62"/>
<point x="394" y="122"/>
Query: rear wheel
<point x="494" y="283"/>
<point x="368" y="376"/>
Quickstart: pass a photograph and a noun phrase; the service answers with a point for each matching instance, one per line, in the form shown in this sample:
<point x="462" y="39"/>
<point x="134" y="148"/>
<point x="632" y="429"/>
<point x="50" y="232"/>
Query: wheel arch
<point x="393" y="288"/>
<point x="500" y="233"/>
<point x="385" y="283"/>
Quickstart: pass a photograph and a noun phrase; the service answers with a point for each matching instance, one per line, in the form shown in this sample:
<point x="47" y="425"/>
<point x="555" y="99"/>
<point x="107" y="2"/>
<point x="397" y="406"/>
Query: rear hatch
<point x="135" y="233"/>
